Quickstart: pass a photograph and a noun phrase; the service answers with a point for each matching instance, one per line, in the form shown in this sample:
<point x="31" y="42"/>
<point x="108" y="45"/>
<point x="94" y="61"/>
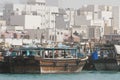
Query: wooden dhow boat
<point x="108" y="59"/>
<point x="43" y="60"/>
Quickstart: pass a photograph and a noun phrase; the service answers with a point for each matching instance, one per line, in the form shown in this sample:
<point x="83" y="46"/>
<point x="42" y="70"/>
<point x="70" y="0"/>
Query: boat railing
<point x="46" y="53"/>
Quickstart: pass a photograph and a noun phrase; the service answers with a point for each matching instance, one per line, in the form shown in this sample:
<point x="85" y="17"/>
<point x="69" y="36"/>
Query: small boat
<point x="43" y="60"/>
<point x="108" y="59"/>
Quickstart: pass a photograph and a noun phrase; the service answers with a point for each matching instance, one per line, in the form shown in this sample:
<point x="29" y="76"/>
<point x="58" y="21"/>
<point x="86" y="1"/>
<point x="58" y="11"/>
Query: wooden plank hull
<point x="61" y="66"/>
<point x="39" y="65"/>
<point x="107" y="64"/>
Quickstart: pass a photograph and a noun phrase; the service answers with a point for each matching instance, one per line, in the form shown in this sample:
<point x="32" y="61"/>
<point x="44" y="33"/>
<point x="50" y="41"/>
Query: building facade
<point x="32" y="15"/>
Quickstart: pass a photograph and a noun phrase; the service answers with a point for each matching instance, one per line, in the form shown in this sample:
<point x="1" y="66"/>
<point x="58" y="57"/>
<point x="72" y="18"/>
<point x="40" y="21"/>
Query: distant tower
<point x="38" y="2"/>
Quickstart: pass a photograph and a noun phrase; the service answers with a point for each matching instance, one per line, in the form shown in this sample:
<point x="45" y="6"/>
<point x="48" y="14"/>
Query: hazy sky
<point x="78" y="3"/>
<point x="11" y="1"/>
<point x="72" y="3"/>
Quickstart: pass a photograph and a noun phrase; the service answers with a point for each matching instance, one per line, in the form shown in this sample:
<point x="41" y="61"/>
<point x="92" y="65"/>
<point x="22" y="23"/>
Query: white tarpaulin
<point x="17" y="42"/>
<point x="117" y="47"/>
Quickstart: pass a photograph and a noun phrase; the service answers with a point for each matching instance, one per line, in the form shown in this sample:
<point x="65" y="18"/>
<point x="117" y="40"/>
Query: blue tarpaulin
<point x="95" y="55"/>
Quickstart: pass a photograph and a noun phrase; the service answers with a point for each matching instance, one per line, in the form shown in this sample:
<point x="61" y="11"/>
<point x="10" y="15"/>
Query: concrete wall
<point x="81" y="20"/>
<point x="116" y="19"/>
<point x="2" y="23"/>
<point x="17" y="20"/>
<point x="32" y="22"/>
<point x="60" y="23"/>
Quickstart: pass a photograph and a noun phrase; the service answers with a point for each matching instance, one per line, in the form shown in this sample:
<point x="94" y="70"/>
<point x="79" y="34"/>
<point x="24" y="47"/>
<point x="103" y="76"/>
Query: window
<point x="50" y="37"/>
<point x="57" y="33"/>
<point x="17" y="9"/>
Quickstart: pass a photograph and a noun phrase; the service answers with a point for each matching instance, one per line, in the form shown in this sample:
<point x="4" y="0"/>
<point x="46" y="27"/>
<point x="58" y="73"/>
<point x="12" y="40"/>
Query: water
<point x="84" y="75"/>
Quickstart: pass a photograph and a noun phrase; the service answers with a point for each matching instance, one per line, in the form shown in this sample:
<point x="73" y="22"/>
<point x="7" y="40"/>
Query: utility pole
<point x="111" y="30"/>
<point x="38" y="28"/>
<point x="71" y="37"/>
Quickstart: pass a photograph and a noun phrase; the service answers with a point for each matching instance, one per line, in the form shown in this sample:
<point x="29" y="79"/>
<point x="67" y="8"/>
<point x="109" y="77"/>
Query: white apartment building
<point x="51" y="13"/>
<point x="95" y="17"/>
<point x="116" y="18"/>
<point x="27" y="15"/>
<point x="58" y="35"/>
<point x="32" y="15"/>
<point x="70" y="16"/>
